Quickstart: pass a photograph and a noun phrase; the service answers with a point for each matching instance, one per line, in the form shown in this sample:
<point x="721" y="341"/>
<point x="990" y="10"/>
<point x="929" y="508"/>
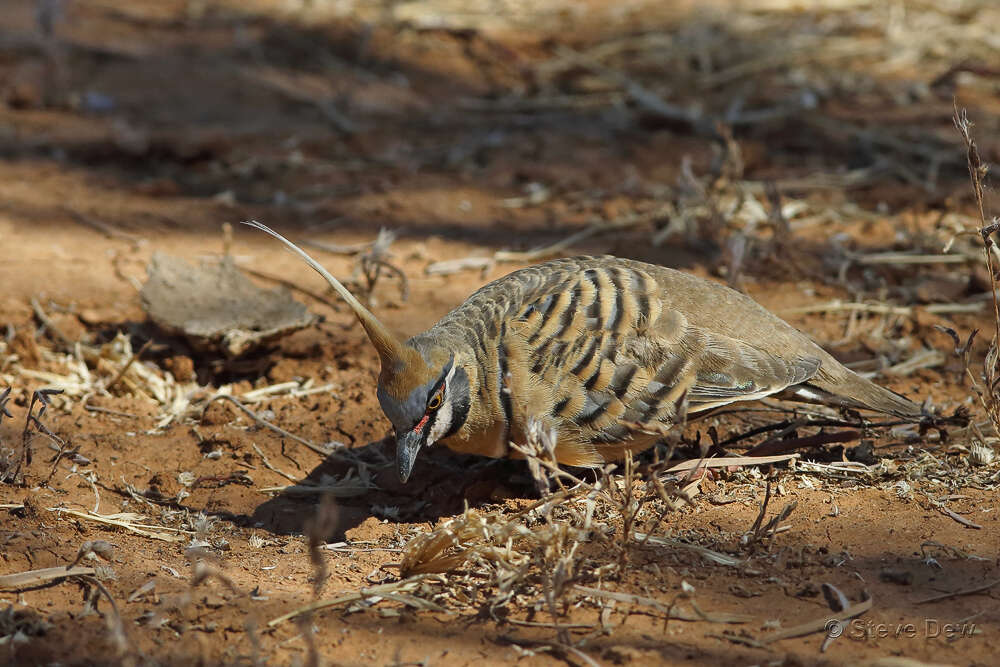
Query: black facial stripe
<point x="440" y="381"/>
<point x="432" y="414"/>
<point x="405" y="415"/>
<point x="458" y="389"/>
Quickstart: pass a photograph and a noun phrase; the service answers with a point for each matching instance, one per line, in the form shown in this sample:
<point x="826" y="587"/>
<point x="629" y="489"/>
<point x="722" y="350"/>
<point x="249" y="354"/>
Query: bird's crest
<point x="399" y="361"/>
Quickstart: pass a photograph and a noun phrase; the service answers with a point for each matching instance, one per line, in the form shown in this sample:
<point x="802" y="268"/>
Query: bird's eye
<point x="435" y="402"/>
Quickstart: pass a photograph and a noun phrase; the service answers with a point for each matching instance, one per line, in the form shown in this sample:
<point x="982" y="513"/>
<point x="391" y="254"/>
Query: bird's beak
<point x="407" y="446"/>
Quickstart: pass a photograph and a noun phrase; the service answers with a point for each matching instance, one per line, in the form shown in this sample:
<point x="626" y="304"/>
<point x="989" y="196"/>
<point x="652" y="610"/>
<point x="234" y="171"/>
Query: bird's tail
<point x="848" y="389"/>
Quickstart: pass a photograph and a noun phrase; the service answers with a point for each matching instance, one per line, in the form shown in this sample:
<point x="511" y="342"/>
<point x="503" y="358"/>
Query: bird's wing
<point x="601" y="353"/>
<point x="726" y="370"/>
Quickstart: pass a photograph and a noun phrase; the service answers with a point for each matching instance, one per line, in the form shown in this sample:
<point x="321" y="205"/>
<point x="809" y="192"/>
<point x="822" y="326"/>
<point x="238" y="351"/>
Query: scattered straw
<point x="671" y="611"/>
<point x="128" y="521"/>
<point x="397" y="591"/>
<point x="819" y="624"/>
<point x="347" y="490"/>
<point x="266" y="424"/>
<point x="883" y="309"/>
<point x="965" y="591"/>
<point x="728" y="461"/>
<point x="33" y="578"/>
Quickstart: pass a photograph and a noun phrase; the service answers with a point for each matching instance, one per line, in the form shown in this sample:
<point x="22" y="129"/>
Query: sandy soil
<point x="146" y="126"/>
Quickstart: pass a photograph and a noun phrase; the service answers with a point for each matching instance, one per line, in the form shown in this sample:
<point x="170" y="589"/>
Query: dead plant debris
<point x="803" y="152"/>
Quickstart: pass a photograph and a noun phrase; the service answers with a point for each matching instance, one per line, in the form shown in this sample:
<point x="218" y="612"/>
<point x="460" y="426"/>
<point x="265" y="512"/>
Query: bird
<point x="606" y="353"/>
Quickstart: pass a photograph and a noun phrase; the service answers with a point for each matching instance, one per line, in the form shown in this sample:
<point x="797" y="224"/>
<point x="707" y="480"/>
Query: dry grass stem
<point x="33" y="578"/>
<point x="989" y="390"/>
<point x="965" y="591"/>
<point x="904" y="259"/>
<point x="397" y="589"/>
<point x="128" y="521"/>
<point x="347" y="490"/>
<point x="545" y="252"/>
<point x="266" y="424"/>
<point x="267" y="464"/>
<point x="883" y="309"/>
<point x="819" y="624"/>
<point x="727" y="461"/>
<point x="671" y="611"/>
<point x="304" y="89"/>
<point x="451" y="266"/>
<point x="290" y="284"/>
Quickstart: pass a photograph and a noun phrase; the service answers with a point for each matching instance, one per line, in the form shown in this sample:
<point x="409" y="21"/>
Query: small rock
<point x="216" y="307"/>
<point x="216" y="414"/>
<point x="129" y="138"/>
<point x="181" y="367"/>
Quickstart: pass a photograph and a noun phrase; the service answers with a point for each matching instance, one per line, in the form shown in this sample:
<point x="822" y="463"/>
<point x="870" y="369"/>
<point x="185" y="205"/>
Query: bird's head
<point x="425" y="394"/>
<point x="423" y="389"/>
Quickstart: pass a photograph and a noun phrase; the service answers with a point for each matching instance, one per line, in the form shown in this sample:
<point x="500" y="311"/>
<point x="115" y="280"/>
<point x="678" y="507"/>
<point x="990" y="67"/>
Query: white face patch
<point x="442" y="422"/>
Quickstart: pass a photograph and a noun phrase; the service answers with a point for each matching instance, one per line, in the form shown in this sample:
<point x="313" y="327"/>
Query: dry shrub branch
<point x="578" y="532"/>
<point x="989" y="389"/>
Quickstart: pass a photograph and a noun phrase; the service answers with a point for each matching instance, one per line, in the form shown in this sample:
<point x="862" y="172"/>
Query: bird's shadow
<point x="442" y="484"/>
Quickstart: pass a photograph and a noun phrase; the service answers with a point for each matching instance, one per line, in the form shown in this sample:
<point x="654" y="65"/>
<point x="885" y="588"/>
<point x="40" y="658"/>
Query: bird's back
<point x="603" y="349"/>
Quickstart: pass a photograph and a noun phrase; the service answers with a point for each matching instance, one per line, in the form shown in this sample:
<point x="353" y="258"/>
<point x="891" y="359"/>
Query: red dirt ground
<point x="196" y="139"/>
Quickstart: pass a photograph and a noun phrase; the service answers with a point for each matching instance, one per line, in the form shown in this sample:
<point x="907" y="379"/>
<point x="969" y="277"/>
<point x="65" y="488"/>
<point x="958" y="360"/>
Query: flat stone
<point x="216" y="307"/>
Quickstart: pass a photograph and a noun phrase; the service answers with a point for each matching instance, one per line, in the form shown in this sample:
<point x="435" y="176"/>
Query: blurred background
<point x="695" y="133"/>
<point x="795" y="150"/>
